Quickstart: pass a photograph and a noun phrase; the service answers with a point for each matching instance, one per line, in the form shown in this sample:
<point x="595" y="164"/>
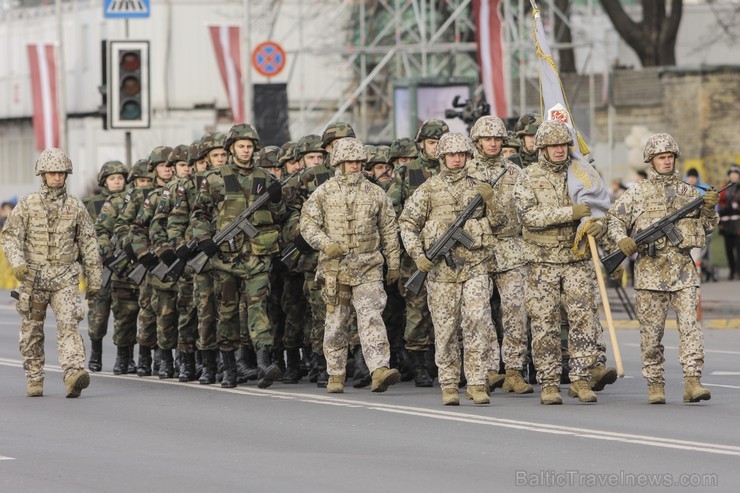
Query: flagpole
<point x="61" y="84"/>
<point x="247" y="63"/>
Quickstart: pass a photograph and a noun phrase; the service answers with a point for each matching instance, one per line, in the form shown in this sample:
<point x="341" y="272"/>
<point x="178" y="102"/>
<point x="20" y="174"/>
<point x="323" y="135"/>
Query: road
<point x="143" y="434"/>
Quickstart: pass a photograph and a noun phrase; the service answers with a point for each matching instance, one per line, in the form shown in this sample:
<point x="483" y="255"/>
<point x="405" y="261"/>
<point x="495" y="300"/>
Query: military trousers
<point x="418" y="331"/>
<point x="274" y="305"/>
<point x="368" y="300"/>
<point x="164" y="304"/>
<point x="294" y="305"/>
<point x="98" y="314"/>
<point x="511" y="287"/>
<point x="146" y="334"/>
<point x="205" y="304"/>
<point x="67" y="307"/>
<point x="125" y="309"/>
<point x="462" y="306"/>
<point x="393" y="317"/>
<point x="652" y="309"/>
<point x="312" y="291"/>
<point x="549" y="285"/>
<point x="187" y="321"/>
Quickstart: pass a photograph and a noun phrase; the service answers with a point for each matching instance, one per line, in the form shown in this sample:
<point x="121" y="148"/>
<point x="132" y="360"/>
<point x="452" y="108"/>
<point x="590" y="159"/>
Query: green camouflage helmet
<point x="488" y="126"/>
<point x="452" y="143"/>
<point x="432" y="129"/>
<point x="512" y="142"/>
<point x="140" y="169"/>
<point x="287" y="153"/>
<point x="53" y="160"/>
<point x="195" y="151"/>
<point x="242" y="131"/>
<point x="178" y="153"/>
<point x="334" y="131"/>
<point x="657" y="144"/>
<point x="380" y="154"/>
<point x="306" y="144"/>
<point x="528" y="124"/>
<point x="211" y="141"/>
<point x="404" y="147"/>
<point x="551" y="133"/>
<point x="268" y="157"/>
<point x="158" y="155"/>
<point x="347" y="149"/>
<point x="111" y="168"/>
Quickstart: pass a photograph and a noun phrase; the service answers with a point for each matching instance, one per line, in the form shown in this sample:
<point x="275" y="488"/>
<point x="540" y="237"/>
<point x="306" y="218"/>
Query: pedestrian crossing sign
<point x="126" y="9"/>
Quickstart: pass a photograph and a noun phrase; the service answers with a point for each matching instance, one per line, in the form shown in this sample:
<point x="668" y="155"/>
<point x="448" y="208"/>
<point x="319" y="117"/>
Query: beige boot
<point x="582" y="390"/>
<point x="478" y="394"/>
<point x="494" y="380"/>
<point x="76" y="382"/>
<point x="450" y="396"/>
<point x="35" y="388"/>
<point x="656" y="393"/>
<point x="694" y="391"/>
<point x="601" y="376"/>
<point x="336" y="384"/>
<point x="514" y="382"/>
<point x="383" y="378"/>
<point x="550" y="395"/>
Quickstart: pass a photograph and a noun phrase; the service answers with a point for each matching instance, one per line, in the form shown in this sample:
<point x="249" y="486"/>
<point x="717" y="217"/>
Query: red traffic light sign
<point x="268" y="58"/>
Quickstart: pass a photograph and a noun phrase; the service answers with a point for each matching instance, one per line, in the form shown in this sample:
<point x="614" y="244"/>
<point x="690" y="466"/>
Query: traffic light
<point x="127" y="84"/>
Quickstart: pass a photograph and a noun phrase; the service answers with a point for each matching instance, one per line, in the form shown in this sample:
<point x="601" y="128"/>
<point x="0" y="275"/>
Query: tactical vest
<point x="656" y="208"/>
<point x="351" y="216"/>
<point x="415" y="174"/>
<point x="95" y="204"/>
<point x="506" y="188"/>
<point x="562" y="235"/>
<point x="48" y="240"/>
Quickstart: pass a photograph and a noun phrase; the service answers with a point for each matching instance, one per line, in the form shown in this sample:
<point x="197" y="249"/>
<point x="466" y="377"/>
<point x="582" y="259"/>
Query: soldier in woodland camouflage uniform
<point x="241" y="267"/>
<point x="43" y="238"/>
<point x="407" y="178"/>
<point x="510" y="149"/>
<point x="402" y="151"/>
<point x="459" y="295"/>
<point x="526" y="129"/>
<point x="511" y="253"/>
<point x="350" y="220"/>
<point x="378" y="167"/>
<point x="556" y="274"/>
<point x="669" y="277"/>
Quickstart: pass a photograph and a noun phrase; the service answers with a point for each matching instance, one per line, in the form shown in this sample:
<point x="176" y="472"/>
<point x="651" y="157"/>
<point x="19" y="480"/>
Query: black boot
<point x="131" y="361"/>
<point x="145" y="362"/>
<point x="198" y="363"/>
<point x="278" y="358"/>
<point x="167" y="364"/>
<point x="122" y="358"/>
<point x="246" y="365"/>
<point x="96" y="355"/>
<point x="229" y="379"/>
<point x="156" y="360"/>
<point x="268" y="371"/>
<point x="187" y="367"/>
<point x="322" y="379"/>
<point x="305" y="362"/>
<point x="208" y="375"/>
<point x="405" y="365"/>
<point x="362" y="377"/>
<point x="292" y="371"/>
<point x="430" y="361"/>
<point x="313" y="368"/>
<point x="421" y="373"/>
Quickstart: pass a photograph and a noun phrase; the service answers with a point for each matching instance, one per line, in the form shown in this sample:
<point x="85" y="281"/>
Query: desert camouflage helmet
<point x="306" y="144"/>
<point x="195" y="151"/>
<point x="158" y="155"/>
<point x="287" y="153"/>
<point x="488" y="126"/>
<point x="111" y="168"/>
<point x="211" y="141"/>
<point x="552" y="132"/>
<point x="53" y="160"/>
<point x="334" y="131"/>
<point x="242" y="131"/>
<point x="432" y="129"/>
<point x="512" y="141"/>
<point x="403" y="147"/>
<point x="528" y="124"/>
<point x="347" y="149"/>
<point x="658" y="143"/>
<point x="178" y="153"/>
<point x="140" y="169"/>
<point x="268" y="157"/>
<point x="452" y="143"/>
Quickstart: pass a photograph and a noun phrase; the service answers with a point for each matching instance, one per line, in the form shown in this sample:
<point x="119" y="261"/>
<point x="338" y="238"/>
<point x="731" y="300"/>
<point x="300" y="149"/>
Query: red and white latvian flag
<point x="45" y="105"/>
<point x="490" y="53"/>
<point x="226" y="44"/>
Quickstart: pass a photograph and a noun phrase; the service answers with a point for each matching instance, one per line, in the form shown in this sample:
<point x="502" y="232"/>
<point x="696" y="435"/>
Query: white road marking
<point x="460" y="417"/>
<point x="720" y="385"/>
<point x="725" y="373"/>
<point x="2" y="457"/>
<point x="718" y="351"/>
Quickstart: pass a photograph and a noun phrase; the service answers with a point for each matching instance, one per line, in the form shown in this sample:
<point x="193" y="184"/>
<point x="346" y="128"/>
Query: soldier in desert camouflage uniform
<point x="669" y="277"/>
<point x="349" y="221"/>
<point x="42" y="239"/>
<point x="459" y="295"/>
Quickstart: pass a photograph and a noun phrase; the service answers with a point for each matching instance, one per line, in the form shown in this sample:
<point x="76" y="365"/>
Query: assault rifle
<point x="236" y="227"/>
<point x="173" y="271"/>
<point x="107" y="272"/>
<point x="663" y="227"/>
<point x="290" y="256"/>
<point x="137" y="275"/>
<point x="443" y="246"/>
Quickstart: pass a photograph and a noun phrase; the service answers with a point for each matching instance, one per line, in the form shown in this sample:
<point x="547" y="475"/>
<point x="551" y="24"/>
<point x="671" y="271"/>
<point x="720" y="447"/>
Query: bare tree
<point x="654" y="37"/>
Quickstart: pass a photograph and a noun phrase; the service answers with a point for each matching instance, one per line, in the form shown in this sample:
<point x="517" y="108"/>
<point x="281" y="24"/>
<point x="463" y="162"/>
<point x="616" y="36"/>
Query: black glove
<point x="276" y="192"/>
<point x="209" y="247"/>
<point x="183" y="253"/>
<point x="149" y="260"/>
<point x="302" y="245"/>
<point x="129" y="252"/>
<point x="168" y="257"/>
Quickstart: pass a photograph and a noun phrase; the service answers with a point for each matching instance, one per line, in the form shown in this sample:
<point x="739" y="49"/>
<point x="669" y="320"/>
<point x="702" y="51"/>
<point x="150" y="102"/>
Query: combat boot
<point x="656" y="393"/>
<point x="494" y="380"/>
<point x="292" y="371"/>
<point x="198" y="363"/>
<point x="35" y="388"/>
<point x="582" y="390"/>
<point x="550" y="395"/>
<point x="229" y="379"/>
<point x="76" y="382"/>
<point x="322" y="378"/>
<point x="601" y="376"/>
<point x="313" y="368"/>
<point x="429" y="357"/>
<point x="514" y="382"/>
<point x="383" y="378"/>
<point x="278" y="357"/>
<point x="156" y="360"/>
<point x="208" y="374"/>
<point x="167" y="364"/>
<point x="361" y="376"/>
<point x="187" y="367"/>
<point x="96" y="355"/>
<point x="421" y="373"/>
<point x="405" y="365"/>
<point x="478" y="394"/>
<point x="268" y="371"/>
<point x="450" y="396"/>
<point x="131" y="360"/>
<point x="120" y="367"/>
<point x="336" y="384"/>
<point x="145" y="362"/>
<point x="246" y="365"/>
<point x="694" y="391"/>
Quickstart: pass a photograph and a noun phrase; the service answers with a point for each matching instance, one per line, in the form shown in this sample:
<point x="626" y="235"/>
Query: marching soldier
<point x="526" y="129"/>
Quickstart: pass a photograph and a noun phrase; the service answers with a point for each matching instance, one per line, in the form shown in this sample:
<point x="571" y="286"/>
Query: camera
<point x="472" y="109"/>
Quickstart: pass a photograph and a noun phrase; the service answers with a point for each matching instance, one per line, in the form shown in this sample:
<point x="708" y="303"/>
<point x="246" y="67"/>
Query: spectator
<point x="729" y="222"/>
